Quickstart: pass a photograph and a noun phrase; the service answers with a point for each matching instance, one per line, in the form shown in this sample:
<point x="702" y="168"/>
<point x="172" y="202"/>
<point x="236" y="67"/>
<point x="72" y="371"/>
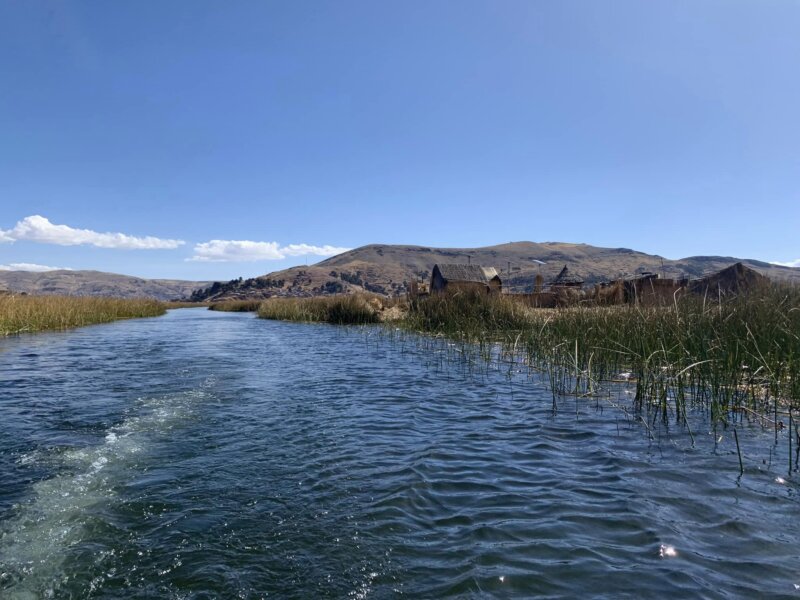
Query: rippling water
<point x="204" y="455"/>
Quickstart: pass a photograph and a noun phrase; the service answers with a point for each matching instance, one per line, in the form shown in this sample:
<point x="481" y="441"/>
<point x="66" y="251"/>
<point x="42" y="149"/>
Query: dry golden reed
<point x="28" y="314"/>
<point x="355" y="309"/>
<point x="236" y="305"/>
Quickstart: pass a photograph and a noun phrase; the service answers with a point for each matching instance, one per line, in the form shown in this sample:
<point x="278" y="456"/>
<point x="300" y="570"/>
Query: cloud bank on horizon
<point x="33" y="267"/>
<point x="40" y="230"/>
<point x="248" y="251"/>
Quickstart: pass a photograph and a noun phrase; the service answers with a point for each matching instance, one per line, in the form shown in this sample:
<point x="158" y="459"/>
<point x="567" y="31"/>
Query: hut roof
<point x="475" y="273"/>
<point x="731" y="280"/>
<point x="566" y="278"/>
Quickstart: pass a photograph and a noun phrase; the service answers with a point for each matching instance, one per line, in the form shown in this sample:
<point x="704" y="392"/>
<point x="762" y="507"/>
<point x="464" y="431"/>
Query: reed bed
<point x="236" y="305"/>
<point x="356" y="309"/>
<point x="27" y="314"/>
<point x="734" y="356"/>
<point x="171" y="304"/>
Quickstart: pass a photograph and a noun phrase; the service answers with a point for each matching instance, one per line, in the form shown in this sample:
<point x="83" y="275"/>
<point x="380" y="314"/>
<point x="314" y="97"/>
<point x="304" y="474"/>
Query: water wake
<point x="62" y="512"/>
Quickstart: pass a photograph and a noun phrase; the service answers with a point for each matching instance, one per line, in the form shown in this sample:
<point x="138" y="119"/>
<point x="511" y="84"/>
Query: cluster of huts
<point x="567" y="288"/>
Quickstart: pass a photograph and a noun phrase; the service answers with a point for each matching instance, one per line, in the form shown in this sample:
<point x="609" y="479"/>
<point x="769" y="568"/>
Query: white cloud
<point x="236" y="251"/>
<point x="791" y="263"/>
<point x="247" y="251"/>
<point x="31" y="267"/>
<point x="303" y="249"/>
<point x="38" y="229"/>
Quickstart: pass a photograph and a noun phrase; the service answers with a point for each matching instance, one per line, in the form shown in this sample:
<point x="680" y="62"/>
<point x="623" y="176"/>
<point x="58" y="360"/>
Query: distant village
<point x="568" y="289"/>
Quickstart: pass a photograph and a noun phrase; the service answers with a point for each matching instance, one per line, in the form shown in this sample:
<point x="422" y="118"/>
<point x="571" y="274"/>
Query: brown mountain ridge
<point x="96" y="283"/>
<point x="386" y="269"/>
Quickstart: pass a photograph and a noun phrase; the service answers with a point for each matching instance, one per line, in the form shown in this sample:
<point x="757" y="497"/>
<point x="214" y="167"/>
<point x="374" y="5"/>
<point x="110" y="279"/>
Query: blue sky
<point x="214" y="140"/>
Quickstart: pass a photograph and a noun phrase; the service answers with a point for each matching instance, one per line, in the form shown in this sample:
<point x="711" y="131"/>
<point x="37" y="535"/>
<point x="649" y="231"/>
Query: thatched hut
<point x="651" y="290"/>
<point x="566" y="279"/>
<point x="609" y="293"/>
<point x="450" y="277"/>
<point x="736" y="279"/>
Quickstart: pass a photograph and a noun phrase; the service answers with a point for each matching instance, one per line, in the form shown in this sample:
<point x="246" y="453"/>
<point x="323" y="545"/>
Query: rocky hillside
<point x="301" y="282"/>
<point x="96" y="283"/>
<point x="594" y="264"/>
<point x="386" y="269"/>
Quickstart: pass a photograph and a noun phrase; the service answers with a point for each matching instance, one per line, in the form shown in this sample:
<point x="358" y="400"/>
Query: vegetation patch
<point x="354" y="309"/>
<point x="183" y="304"/>
<point x="735" y="354"/>
<point x="236" y="305"/>
<point x="27" y="314"/>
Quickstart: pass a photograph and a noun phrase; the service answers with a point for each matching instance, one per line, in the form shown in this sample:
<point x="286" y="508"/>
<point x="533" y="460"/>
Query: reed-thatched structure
<point x="566" y="279"/>
<point x="736" y="279"/>
<point x="453" y="277"/>
<point x="651" y="290"/>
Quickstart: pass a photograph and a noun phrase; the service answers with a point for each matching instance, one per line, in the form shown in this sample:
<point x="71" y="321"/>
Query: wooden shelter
<point x="451" y="277"/>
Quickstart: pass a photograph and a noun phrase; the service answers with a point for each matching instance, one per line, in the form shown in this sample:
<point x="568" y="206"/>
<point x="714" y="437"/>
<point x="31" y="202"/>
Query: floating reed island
<point x="29" y="314"/>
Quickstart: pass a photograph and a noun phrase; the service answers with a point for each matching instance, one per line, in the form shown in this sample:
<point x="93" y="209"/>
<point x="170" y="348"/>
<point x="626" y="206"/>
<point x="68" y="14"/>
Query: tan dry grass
<point x="27" y="314"/>
<point x="184" y="304"/>
<point x="236" y="305"/>
<point x="353" y="309"/>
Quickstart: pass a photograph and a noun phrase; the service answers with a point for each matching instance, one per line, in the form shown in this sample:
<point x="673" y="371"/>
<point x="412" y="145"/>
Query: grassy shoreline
<point x="355" y="309"/>
<point x="730" y="355"/>
<point x="741" y="352"/>
<point x="736" y="358"/>
<point x="31" y="314"/>
<point x="235" y="305"/>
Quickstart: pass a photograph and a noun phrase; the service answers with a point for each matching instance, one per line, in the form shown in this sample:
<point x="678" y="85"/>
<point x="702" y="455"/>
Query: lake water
<point x="215" y="455"/>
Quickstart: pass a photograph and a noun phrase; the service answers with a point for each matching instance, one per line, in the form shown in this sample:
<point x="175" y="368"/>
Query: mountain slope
<point x="95" y="283"/>
<point x="593" y="263"/>
<point x="386" y="268"/>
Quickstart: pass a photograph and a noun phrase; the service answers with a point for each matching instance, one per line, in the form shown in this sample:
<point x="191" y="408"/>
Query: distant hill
<point x="386" y="269"/>
<point x="96" y="283"/>
<point x="293" y="282"/>
<point x="593" y="263"/>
